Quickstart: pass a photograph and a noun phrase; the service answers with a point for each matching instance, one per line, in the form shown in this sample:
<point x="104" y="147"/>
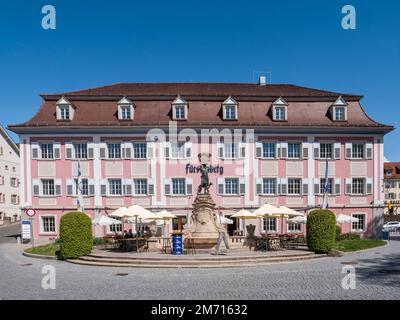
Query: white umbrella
<point x="120" y="212"/>
<point x="105" y="221"/>
<point x="341" y="218"/>
<point x="141" y="213"/>
<point x="269" y="210"/>
<point x="291" y="212"/>
<point x="224" y="220"/>
<point x="298" y="219"/>
<point x="244" y="214"/>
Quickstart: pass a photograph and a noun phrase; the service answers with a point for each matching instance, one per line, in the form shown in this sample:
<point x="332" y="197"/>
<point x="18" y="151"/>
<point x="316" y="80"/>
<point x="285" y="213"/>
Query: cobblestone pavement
<point x="377" y="277"/>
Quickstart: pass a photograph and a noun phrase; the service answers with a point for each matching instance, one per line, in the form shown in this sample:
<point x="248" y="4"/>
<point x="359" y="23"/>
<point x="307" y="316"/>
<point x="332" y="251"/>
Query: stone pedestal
<point x="204" y="225"/>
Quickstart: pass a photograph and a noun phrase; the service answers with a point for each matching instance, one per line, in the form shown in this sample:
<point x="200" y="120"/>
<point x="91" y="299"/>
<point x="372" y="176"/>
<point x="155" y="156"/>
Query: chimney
<point x="263" y="80"/>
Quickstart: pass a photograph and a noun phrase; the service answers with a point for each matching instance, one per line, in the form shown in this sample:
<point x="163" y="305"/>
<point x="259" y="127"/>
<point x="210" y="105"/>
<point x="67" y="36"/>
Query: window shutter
<point x="284" y="149"/>
<point x="90" y="151"/>
<point x="348" y="147"/>
<point x="103" y="187"/>
<point x="316" y="150"/>
<point x="317" y="183"/>
<point x="220" y="150"/>
<point x="132" y="112"/>
<point x="127" y="187"/>
<point x="167" y="186"/>
<point x="103" y="151"/>
<point x="368" y="150"/>
<point x="70" y="187"/>
<point x="259" y="150"/>
<point x="57" y="184"/>
<point x="189" y="186"/>
<point x="336" y="147"/>
<point x="242" y="186"/>
<point x="369" y="185"/>
<point x="220" y="182"/>
<point x="91" y="183"/>
<point x="119" y="112"/>
<point x="278" y="150"/>
<point x="128" y="150"/>
<point x="150" y="150"/>
<point x="283" y="186"/>
<point x="68" y="150"/>
<point x="259" y="185"/>
<point x="150" y="186"/>
<point x="57" y="153"/>
<point x="188" y="150"/>
<point x="305" y="151"/>
<point x="35" y="150"/>
<point x="36" y="187"/>
<point x="305" y="187"/>
<point x="337" y="186"/>
<point x="242" y="149"/>
<point x="167" y="150"/>
<point x="348" y="182"/>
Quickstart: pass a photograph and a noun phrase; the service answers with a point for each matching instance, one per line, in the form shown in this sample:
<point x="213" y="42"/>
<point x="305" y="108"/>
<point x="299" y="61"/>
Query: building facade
<point x="138" y="143"/>
<point x="392" y="187"/>
<point x="9" y="179"/>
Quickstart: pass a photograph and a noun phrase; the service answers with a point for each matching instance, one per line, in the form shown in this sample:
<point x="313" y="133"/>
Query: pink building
<point x="138" y="143"/>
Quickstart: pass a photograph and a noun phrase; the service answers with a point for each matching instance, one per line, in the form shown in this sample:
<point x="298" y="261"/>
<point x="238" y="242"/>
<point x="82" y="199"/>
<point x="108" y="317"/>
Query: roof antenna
<point x="260" y="75"/>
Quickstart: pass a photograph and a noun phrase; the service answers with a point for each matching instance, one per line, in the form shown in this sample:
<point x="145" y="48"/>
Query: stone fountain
<point x="204" y="226"/>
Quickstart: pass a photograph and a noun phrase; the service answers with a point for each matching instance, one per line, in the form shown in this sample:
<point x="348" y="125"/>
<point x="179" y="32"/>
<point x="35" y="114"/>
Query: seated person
<point x="130" y="234"/>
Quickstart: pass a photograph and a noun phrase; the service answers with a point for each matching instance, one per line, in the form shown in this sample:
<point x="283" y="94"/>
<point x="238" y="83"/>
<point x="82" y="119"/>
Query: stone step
<point x="190" y="257"/>
<point x="90" y="261"/>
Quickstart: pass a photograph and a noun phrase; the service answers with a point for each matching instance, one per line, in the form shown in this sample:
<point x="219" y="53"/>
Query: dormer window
<point x="279" y="110"/>
<point x="179" y="109"/>
<point x="125" y="109"/>
<point x="339" y="110"/>
<point x="64" y="109"/>
<point x="229" y="109"/>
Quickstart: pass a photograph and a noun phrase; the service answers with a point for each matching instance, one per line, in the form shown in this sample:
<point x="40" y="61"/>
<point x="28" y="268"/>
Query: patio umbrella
<point x="298" y="219"/>
<point x="342" y="218"/>
<point x="120" y="213"/>
<point x="105" y="221"/>
<point x="244" y="214"/>
<point x="163" y="215"/>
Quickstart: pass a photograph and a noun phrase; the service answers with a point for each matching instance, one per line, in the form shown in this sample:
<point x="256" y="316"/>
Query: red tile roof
<point x="98" y="106"/>
<point x="394" y="168"/>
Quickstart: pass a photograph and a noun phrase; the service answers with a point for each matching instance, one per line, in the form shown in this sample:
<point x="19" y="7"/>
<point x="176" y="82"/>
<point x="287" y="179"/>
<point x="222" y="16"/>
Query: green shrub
<point x="349" y="236"/>
<point x="75" y="235"/>
<point x="338" y="232"/>
<point x="321" y="231"/>
<point x="99" y="241"/>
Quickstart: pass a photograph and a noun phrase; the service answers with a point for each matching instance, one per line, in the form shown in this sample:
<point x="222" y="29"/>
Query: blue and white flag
<point x="79" y="189"/>
<point x="326" y="188"/>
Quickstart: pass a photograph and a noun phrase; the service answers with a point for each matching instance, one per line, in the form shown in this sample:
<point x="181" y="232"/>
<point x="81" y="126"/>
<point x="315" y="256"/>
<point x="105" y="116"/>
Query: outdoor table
<point x="127" y="241"/>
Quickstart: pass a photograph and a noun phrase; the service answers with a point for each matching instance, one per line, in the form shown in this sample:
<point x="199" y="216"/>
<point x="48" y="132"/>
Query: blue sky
<point x="103" y="42"/>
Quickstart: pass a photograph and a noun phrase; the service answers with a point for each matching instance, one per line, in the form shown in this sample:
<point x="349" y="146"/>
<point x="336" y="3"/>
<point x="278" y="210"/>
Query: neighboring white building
<point x="9" y="179"/>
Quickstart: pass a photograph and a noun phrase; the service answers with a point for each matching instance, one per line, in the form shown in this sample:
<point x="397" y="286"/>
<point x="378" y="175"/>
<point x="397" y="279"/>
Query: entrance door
<point x="232" y="227"/>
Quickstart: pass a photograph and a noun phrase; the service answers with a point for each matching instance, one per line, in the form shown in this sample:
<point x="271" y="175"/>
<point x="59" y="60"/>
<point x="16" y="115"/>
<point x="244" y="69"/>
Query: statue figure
<point x="205" y="183"/>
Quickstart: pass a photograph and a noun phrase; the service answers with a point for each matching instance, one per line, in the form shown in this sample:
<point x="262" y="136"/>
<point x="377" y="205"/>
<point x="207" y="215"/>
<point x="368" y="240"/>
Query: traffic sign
<point x="26" y="229"/>
<point x="30" y="212"/>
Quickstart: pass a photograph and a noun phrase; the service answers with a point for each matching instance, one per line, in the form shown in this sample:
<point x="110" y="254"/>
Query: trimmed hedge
<point x="321" y="231"/>
<point x="75" y="235"/>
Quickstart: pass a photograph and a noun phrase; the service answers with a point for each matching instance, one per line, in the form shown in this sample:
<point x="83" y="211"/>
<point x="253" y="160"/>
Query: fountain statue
<point x="204" y="226"/>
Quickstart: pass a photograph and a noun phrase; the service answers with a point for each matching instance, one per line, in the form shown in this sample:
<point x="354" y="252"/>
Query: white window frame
<point x="41" y="224"/>
<point x="331" y="186"/>
<point x="80" y="148"/>
<point x="294" y="180"/>
<point x="293" y="227"/>
<point x="49" y="151"/>
<point x="265" y="154"/>
<point x="140" y="187"/>
<point x="281" y="115"/>
<point x="264" y="186"/>
<point x="122" y="105"/>
<point x="230" y="103"/>
<point x="177" y="150"/>
<point x="174" y="188"/>
<point x="356" y="214"/>
<point x="111" y="150"/>
<point x="140" y="152"/>
<point x="323" y="150"/>
<point x="288" y="150"/>
<point x="112" y="189"/>
<point x="363" y="185"/>
<point x="267" y="223"/>
<point x="177" y="104"/>
<point x="357" y="152"/>
<point x="231" y="186"/>
<point x="52" y="193"/>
